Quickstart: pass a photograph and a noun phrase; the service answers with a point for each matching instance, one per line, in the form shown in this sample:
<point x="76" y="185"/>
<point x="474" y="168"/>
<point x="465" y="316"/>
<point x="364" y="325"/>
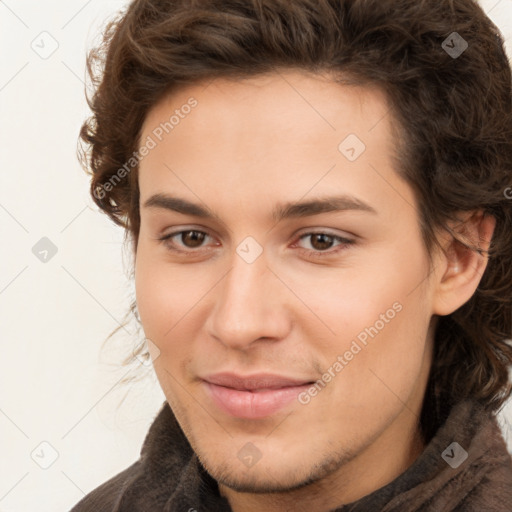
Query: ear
<point x="459" y="269"/>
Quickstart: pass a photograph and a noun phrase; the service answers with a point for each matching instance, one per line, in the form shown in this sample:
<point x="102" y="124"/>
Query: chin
<point x="271" y="476"/>
<point x="256" y="482"/>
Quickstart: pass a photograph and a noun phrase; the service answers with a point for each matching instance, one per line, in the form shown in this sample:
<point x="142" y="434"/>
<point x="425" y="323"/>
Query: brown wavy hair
<point x="454" y="116"/>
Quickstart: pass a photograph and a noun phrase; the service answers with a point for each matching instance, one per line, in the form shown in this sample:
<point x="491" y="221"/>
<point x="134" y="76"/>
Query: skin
<point x="248" y="146"/>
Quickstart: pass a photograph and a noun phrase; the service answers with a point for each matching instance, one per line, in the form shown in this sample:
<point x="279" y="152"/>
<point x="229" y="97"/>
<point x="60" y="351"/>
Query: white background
<point x="56" y="386"/>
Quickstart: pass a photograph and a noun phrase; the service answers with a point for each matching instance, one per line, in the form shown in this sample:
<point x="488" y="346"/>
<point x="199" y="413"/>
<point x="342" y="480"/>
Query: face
<point x="289" y="298"/>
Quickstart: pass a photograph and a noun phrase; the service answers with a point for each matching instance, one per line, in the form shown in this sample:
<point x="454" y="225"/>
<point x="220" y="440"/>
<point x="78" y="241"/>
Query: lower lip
<point x="252" y="404"/>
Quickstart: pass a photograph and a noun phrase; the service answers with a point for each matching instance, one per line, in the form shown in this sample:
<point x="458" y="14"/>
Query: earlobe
<point x="462" y="262"/>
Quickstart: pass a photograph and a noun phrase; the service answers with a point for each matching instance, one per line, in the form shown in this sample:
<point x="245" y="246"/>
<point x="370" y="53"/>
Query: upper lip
<point x="255" y="381"/>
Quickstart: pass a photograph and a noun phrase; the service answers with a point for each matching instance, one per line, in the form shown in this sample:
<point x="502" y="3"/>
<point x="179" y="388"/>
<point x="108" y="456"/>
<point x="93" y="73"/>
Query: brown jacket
<point x="169" y="478"/>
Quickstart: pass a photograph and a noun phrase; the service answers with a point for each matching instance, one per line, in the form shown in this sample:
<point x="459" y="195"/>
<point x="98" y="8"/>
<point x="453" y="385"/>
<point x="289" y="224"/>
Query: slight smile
<point x="254" y="396"/>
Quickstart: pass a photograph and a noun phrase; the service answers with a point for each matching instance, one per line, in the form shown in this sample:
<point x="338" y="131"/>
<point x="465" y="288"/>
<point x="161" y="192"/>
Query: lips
<point x="254" y="396"/>
<point x="254" y="382"/>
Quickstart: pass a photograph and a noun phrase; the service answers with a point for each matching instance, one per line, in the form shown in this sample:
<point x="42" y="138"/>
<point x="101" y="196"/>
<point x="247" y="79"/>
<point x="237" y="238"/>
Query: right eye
<point x="187" y="239"/>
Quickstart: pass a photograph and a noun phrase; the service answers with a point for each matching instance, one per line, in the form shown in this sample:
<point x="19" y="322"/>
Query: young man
<point x="316" y="196"/>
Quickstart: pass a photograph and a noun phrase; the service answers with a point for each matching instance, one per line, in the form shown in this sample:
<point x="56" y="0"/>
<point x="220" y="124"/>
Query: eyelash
<point x="343" y="242"/>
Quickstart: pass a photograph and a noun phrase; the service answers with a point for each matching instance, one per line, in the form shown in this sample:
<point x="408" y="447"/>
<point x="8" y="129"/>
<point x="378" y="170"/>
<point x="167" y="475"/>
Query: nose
<point x="251" y="304"/>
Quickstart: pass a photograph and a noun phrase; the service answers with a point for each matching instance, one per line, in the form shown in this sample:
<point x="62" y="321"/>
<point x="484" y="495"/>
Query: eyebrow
<point x="282" y="211"/>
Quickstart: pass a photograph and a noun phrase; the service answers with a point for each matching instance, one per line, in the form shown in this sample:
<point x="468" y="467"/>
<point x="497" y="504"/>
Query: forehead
<point x="276" y="100"/>
<point x="285" y="130"/>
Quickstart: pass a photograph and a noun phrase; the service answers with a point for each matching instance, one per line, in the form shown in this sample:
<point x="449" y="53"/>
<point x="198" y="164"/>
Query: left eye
<point x="319" y="243"/>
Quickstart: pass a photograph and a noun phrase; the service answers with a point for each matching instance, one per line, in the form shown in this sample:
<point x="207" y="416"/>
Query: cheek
<point x="389" y="361"/>
<point x="161" y="300"/>
<point x="170" y="302"/>
<point x="151" y="297"/>
<point x="380" y="320"/>
<point x="346" y="303"/>
<point x="163" y="303"/>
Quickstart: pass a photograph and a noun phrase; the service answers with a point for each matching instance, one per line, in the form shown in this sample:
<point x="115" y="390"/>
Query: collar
<point x="169" y="476"/>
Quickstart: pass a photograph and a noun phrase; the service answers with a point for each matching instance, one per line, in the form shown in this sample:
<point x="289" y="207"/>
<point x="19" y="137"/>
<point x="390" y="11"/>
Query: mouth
<point x="254" y="396"/>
